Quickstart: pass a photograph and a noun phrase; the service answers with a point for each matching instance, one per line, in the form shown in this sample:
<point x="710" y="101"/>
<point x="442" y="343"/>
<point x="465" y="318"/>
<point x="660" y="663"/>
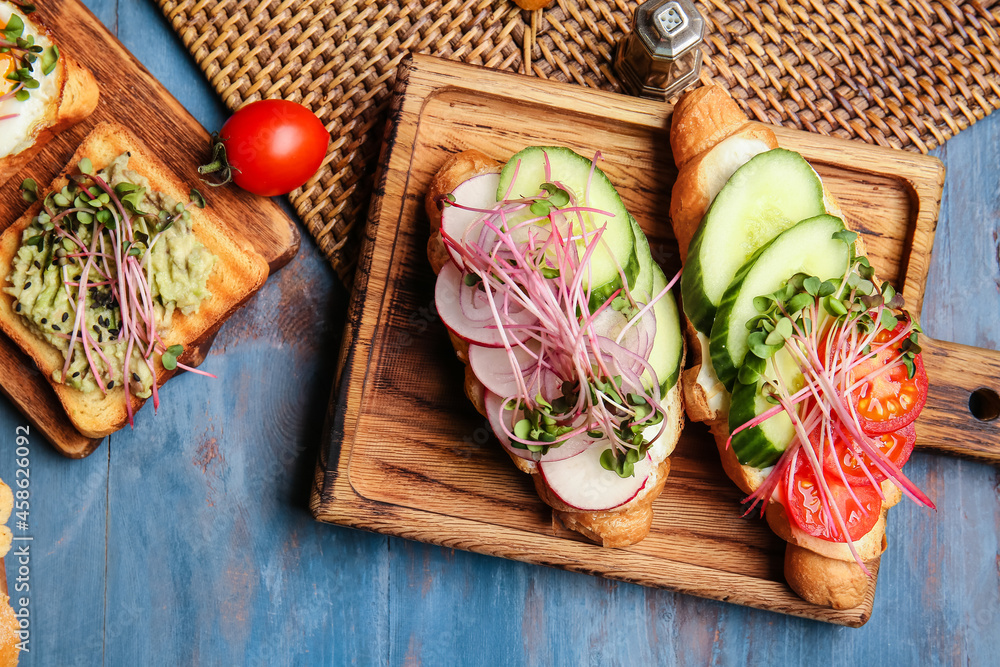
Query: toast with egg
<point x="237" y="274"/>
<point x="65" y="96"/>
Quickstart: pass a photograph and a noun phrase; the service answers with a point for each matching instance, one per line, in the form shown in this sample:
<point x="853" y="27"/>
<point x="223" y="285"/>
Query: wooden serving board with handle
<point x="130" y="96"/>
<point x="408" y="455"/>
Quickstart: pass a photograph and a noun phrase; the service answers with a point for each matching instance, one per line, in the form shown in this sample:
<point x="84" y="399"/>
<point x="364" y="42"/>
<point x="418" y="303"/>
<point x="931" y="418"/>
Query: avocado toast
<point x="196" y="279"/>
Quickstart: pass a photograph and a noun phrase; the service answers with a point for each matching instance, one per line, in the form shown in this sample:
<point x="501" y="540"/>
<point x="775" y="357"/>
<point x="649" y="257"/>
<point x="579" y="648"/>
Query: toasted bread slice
<point x="239" y="272"/>
<point x="77" y="97"/>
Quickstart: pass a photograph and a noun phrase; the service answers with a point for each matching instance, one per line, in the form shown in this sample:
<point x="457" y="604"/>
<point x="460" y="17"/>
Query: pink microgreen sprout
<point x="109" y="273"/>
<point x="828" y="334"/>
<point x="532" y="255"/>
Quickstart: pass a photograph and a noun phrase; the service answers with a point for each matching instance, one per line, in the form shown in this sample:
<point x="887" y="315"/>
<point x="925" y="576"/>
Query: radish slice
<point x="609" y="323"/>
<point x="496" y="413"/>
<point x="582" y="483"/>
<point x="492" y="367"/>
<point x="636" y="342"/>
<point x="466" y="311"/>
<point x="479" y="192"/>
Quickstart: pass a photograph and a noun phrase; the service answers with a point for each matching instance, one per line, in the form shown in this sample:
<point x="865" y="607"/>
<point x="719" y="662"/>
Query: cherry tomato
<point x="895" y="446"/>
<point x="806" y="510"/>
<point x="271" y="146"/>
<point x="891" y="400"/>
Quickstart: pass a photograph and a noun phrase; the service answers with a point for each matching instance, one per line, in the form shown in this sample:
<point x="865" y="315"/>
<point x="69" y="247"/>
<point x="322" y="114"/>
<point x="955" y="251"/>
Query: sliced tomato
<point x="805" y="507"/>
<point x="895" y="446"/>
<point x="890" y="400"/>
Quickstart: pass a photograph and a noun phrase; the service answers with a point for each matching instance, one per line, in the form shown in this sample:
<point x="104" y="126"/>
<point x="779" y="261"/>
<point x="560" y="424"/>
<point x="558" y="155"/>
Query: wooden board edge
<point x="947" y="423"/>
<point x="71" y="443"/>
<point x="336" y="431"/>
<point x="534" y="548"/>
<point x="595" y="102"/>
<point x="290" y="250"/>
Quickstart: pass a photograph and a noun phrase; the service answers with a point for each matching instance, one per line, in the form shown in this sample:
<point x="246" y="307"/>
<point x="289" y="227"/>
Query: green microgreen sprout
<point x="169" y="356"/>
<point x="29" y="190"/>
<point x="197" y="199"/>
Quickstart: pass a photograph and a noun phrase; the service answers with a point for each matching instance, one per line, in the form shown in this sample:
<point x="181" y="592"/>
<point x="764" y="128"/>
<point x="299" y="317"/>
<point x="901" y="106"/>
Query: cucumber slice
<point x="572" y="172"/>
<point x="668" y="348"/>
<point x="760" y="446"/>
<point x="644" y="278"/>
<point x="808" y="247"/>
<point x="764" y="197"/>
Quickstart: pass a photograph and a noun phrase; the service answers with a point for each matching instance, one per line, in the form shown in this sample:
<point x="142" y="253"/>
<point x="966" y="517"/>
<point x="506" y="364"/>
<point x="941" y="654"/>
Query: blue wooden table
<point x="188" y="539"/>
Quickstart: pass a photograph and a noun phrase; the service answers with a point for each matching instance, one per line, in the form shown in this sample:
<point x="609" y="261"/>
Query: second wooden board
<point x="130" y="96"/>
<point x="408" y="455"/>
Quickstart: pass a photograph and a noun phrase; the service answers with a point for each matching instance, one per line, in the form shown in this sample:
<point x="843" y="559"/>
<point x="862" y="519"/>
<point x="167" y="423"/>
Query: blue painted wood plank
<point x="963" y="296"/>
<point x="66" y="524"/>
<point x="213" y="557"/>
<point x="207" y="502"/>
<point x="144" y="31"/>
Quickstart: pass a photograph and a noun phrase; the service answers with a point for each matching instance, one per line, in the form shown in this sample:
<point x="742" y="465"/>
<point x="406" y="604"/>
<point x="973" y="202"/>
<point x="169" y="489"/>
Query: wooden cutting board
<point x="408" y="455"/>
<point x="131" y="96"/>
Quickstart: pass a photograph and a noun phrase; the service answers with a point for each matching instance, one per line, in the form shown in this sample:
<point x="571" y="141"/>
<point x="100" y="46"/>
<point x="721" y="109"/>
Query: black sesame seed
<point x="55" y="327"/>
<point x="17" y="308"/>
<point x="37" y="265"/>
<point x="27" y="284"/>
<point x="100" y="337"/>
<point x="113" y="332"/>
<point x="65" y="317"/>
<point x="45" y="320"/>
<point x="111" y="384"/>
<point x="135" y="376"/>
<point x="76" y="374"/>
<point x="96" y="329"/>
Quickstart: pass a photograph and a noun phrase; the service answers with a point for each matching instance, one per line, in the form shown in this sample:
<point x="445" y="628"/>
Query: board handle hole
<point x="984" y="404"/>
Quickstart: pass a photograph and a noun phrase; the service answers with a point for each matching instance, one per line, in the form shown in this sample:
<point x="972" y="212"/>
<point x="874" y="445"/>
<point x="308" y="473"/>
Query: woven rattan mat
<point x="908" y="74"/>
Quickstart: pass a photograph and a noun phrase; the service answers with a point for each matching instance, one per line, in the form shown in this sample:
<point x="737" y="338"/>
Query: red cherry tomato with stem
<point x="269" y="147"/>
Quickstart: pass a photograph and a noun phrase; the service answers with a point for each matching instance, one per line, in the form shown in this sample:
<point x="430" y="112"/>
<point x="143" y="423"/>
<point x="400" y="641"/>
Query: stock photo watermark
<point x="20" y="554"/>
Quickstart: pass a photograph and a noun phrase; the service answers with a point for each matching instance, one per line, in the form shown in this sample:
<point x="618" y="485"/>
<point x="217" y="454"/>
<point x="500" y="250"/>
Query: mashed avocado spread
<point x="157" y="266"/>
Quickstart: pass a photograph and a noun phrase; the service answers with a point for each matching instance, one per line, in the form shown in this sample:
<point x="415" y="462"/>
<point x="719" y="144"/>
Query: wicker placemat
<point x="907" y="73"/>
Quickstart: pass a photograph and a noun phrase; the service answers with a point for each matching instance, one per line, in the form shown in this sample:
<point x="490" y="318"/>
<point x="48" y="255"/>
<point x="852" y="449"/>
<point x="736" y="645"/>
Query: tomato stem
<point x="219" y="163"/>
